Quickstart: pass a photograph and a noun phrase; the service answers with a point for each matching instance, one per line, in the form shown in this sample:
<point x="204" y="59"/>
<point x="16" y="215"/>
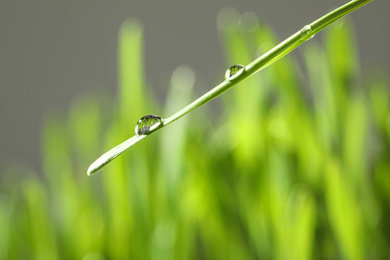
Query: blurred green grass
<point x="295" y="166"/>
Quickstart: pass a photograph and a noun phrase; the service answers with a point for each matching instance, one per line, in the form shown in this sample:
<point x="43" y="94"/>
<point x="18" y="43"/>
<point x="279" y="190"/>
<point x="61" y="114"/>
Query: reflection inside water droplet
<point x="234" y="71"/>
<point x="306" y="30"/>
<point x="147" y="123"/>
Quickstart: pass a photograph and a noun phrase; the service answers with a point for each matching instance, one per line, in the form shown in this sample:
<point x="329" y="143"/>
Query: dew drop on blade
<point x="147" y="123"/>
<point x="234" y="71"/>
<point x="305" y="30"/>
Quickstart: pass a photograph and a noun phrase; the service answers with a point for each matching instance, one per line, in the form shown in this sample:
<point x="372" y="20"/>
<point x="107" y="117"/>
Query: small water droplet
<point x="305" y="30"/>
<point x="233" y="71"/>
<point x="147" y="123"/>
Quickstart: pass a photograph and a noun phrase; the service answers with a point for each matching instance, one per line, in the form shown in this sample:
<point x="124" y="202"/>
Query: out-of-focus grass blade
<point x="241" y="107"/>
<point x="90" y="233"/>
<point x="58" y="168"/>
<point x="131" y="75"/>
<point x="305" y="225"/>
<point x="40" y="221"/>
<point x="342" y="54"/>
<point x="354" y="136"/>
<point x="343" y="211"/>
<point x="343" y="66"/>
<point x="382" y="181"/>
<point x="279" y="184"/>
<point x="356" y="160"/>
<point x="300" y="224"/>
<point x="128" y="187"/>
<point x="6" y="209"/>
<point x="324" y="134"/>
<point x="119" y="215"/>
<point x="172" y="166"/>
<point x="85" y="122"/>
<point x="173" y="140"/>
<point x="86" y="125"/>
<point x="56" y="151"/>
<point x="380" y="104"/>
<point x="309" y="151"/>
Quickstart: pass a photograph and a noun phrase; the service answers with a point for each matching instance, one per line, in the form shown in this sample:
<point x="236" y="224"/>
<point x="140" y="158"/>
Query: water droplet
<point x="234" y="71"/>
<point x="305" y="30"/>
<point x="147" y="123"/>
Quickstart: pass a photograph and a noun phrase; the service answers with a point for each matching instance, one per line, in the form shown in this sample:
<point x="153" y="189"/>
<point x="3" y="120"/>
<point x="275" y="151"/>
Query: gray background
<point x="50" y="51"/>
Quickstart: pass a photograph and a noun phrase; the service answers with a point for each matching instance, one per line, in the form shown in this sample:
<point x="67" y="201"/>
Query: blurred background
<point x="293" y="163"/>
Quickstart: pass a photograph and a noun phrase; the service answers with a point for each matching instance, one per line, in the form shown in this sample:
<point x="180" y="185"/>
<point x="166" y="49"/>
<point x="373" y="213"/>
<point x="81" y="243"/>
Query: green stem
<point x="271" y="56"/>
<point x="260" y="63"/>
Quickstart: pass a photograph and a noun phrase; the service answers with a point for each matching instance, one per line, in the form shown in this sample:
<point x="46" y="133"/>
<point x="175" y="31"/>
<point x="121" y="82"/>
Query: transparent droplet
<point x="147" y="123"/>
<point x="234" y="71"/>
<point x="306" y="30"/>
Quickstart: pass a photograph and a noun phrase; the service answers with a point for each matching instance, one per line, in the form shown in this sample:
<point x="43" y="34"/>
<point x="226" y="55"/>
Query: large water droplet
<point x="234" y="71"/>
<point x="147" y="123"/>
<point x="305" y="30"/>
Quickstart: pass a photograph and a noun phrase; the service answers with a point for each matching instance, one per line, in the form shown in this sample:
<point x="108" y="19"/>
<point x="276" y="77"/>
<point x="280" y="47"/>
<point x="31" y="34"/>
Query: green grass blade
<point x="113" y="153"/>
